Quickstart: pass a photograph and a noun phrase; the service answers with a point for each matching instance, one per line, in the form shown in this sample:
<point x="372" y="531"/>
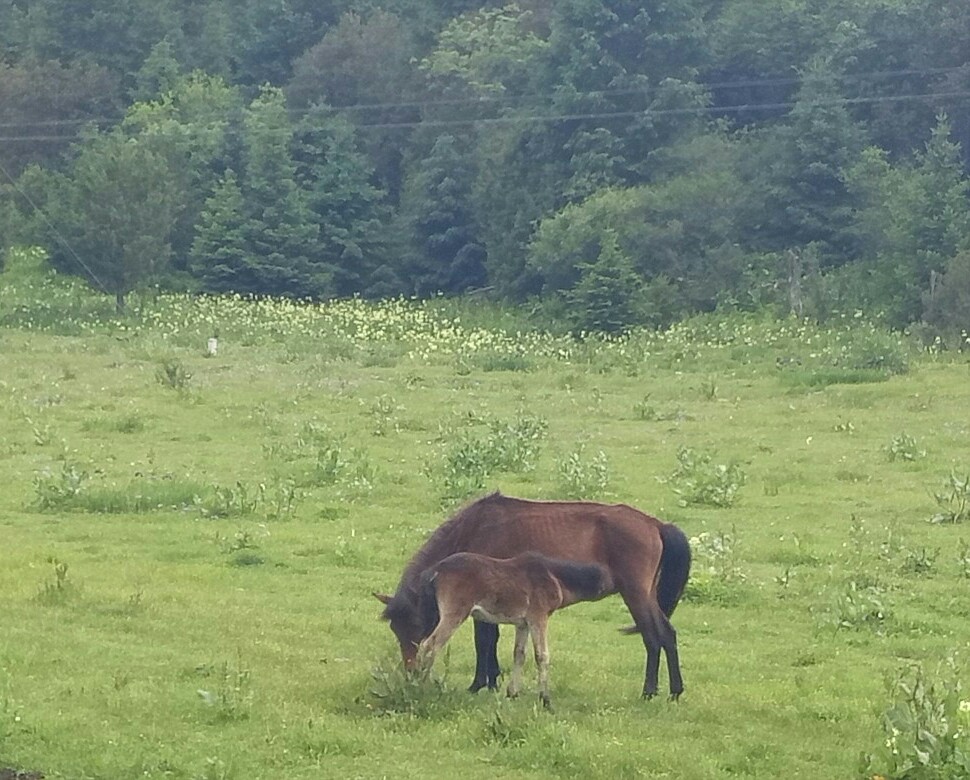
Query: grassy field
<point x="190" y="542"/>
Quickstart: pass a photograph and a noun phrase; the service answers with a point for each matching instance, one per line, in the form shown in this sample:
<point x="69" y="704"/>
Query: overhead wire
<point x="54" y="231"/>
<point x="484" y="100"/>
<point x="526" y="118"/>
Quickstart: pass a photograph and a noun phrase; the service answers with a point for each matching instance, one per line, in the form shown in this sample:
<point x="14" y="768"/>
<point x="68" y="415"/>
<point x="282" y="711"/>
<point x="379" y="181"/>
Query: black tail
<point x="674" y="567"/>
<point x="428" y="602"/>
<point x="674" y="570"/>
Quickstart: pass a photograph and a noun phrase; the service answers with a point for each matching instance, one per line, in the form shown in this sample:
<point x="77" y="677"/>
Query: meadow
<point x="190" y="541"/>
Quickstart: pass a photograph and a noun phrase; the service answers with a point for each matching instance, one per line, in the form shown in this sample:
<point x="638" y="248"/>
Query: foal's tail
<point x="428" y="602"/>
<point x="674" y="567"/>
<point x="674" y="570"/>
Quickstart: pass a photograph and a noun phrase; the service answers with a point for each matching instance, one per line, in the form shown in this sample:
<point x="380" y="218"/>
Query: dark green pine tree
<point x="808" y="202"/>
<point x="608" y="296"/>
<point x="280" y="232"/>
<point x="445" y="250"/>
<point x="345" y="204"/>
<point x="219" y="257"/>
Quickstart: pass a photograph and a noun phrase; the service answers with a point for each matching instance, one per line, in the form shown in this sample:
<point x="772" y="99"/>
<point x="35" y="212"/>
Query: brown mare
<point x="524" y="591"/>
<point x="646" y="561"/>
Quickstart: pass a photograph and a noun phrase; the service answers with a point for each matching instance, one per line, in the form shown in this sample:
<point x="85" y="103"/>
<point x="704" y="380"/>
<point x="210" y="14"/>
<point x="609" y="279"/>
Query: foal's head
<point x="406" y="623"/>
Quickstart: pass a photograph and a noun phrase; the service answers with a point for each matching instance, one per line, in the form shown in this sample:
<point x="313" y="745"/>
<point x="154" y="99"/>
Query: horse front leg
<point x="486" y="657"/>
<point x="518" y="660"/>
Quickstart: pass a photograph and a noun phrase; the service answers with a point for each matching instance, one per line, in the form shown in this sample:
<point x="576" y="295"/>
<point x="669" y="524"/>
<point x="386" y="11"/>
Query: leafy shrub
<point x="861" y="605"/>
<point x="173" y="374"/>
<point x="904" y="447"/>
<point x="926" y="728"/>
<point x="509" y="446"/>
<point x="954" y="500"/>
<point x="698" y="480"/>
<point x="57" y="490"/>
<point x="419" y="693"/>
<point x="466" y="467"/>
<point x="581" y="476"/>
<point x="716" y="571"/>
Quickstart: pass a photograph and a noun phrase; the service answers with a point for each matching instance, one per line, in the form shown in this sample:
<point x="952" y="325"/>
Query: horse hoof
<point x="476" y="686"/>
<point x="546" y="702"/>
<point x="649" y="695"/>
<point x="674" y="696"/>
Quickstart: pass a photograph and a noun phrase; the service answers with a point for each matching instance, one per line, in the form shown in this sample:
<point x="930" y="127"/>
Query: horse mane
<point x="442" y="543"/>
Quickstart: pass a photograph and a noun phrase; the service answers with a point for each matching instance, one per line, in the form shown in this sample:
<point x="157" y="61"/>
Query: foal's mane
<point x="442" y="543"/>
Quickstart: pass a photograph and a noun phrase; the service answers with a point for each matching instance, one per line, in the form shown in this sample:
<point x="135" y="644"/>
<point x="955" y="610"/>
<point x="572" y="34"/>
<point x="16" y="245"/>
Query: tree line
<point x="615" y="163"/>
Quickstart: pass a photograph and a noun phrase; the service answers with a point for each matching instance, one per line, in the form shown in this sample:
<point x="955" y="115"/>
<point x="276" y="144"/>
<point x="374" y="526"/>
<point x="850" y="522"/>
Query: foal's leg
<point x="541" y="645"/>
<point x="486" y="656"/>
<point x="451" y="618"/>
<point x="518" y="660"/>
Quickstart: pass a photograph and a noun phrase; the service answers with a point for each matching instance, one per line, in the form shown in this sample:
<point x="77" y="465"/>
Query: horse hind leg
<point x="540" y="643"/>
<point x="657" y="634"/>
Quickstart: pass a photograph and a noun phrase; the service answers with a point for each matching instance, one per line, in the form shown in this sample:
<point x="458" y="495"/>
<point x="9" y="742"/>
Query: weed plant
<point x="583" y="476"/>
<point x="953" y="501"/>
<point x="926" y="728"/>
<point x="699" y="481"/>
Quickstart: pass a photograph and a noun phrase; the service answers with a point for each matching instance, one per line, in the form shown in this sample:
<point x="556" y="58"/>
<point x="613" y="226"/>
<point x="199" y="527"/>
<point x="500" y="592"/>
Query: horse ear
<point x="383" y="598"/>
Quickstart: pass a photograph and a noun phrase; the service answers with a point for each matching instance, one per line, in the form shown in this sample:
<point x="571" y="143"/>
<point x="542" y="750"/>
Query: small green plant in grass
<point x="953" y="501"/>
<point x="329" y="463"/>
<point x="844" y="426"/>
<point x="173" y="374"/>
<point x="228" y="693"/>
<point x="419" y="693"/>
<point x="963" y="559"/>
<point x="509" y="446"/>
<point x="42" y="432"/>
<point x="241" y="540"/>
<point x="644" y="410"/>
<point x="514" y="445"/>
<point x="466" y="467"/>
<point x="583" y="476"/>
<point x="383" y="413"/>
<point x="281" y="498"/>
<point x="59" y="588"/>
<point x="920" y="561"/>
<point x="55" y="490"/>
<point x="926" y="729"/>
<point x="229" y="501"/>
<point x="716" y="571"/>
<point x="904" y="447"/>
<point x="708" y="389"/>
<point x="698" y="480"/>
<point x="861" y="605"/>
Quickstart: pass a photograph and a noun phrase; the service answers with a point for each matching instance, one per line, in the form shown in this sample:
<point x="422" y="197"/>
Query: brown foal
<point x="524" y="591"/>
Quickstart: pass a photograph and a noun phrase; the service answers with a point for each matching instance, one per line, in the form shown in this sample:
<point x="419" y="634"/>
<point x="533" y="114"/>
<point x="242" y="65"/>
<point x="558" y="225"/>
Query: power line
<point x="567" y="117"/>
<point x="56" y="233"/>
<point x="545" y="96"/>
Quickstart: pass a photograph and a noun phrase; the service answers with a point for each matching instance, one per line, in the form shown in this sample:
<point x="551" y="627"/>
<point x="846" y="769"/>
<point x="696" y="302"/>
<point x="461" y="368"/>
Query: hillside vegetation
<point x="614" y="163"/>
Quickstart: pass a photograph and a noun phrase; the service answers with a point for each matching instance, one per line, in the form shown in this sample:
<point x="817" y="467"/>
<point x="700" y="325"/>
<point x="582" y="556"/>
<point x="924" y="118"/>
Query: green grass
<point x="215" y="616"/>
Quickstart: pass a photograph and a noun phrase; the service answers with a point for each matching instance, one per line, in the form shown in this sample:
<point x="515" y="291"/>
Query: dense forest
<point x="610" y="163"/>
